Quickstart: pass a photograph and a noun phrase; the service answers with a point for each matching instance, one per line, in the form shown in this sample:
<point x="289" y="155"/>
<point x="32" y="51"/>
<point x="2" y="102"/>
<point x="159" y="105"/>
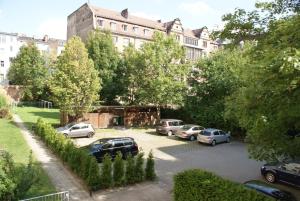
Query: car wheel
<point x="213" y="143"/>
<point x="270" y="177"/>
<point x="90" y="135"/>
<point x="192" y="138"/>
<point x="170" y="133"/>
<point x="228" y="140"/>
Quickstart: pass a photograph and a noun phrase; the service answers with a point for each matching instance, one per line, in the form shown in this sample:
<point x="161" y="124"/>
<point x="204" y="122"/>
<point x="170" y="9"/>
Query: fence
<point x="61" y="196"/>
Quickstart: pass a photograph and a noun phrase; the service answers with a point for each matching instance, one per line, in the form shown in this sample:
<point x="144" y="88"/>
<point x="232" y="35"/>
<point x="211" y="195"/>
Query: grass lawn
<point x="30" y="115"/>
<point x="12" y="140"/>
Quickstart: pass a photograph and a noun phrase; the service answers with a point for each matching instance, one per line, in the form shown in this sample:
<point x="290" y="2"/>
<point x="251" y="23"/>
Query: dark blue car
<point x="112" y="146"/>
<point x="288" y="172"/>
<point x="270" y="191"/>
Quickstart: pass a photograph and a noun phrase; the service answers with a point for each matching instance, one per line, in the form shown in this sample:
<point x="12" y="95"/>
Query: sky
<point x="40" y="17"/>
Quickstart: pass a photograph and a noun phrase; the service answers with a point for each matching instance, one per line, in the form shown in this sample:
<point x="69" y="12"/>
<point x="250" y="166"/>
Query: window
<point x="100" y="23"/>
<point x="216" y="133"/>
<point x="107" y="146"/>
<point x="11" y="48"/>
<point x="11" y="39"/>
<point x="3" y="39"/>
<point x="75" y="128"/>
<point x="178" y="37"/>
<point x="2" y="63"/>
<point x="115" y="39"/>
<point x="11" y="59"/>
<point x="204" y="44"/>
<point x="146" y="32"/>
<point x="191" y="41"/>
<point x="222" y="133"/>
<point x="181" y="123"/>
<point x="126" y="41"/>
<point x="135" y="29"/>
<point x="84" y="127"/>
<point x="118" y="144"/>
<point x="113" y="26"/>
<point x="124" y="27"/>
<point x="1" y="77"/>
<point x="127" y="142"/>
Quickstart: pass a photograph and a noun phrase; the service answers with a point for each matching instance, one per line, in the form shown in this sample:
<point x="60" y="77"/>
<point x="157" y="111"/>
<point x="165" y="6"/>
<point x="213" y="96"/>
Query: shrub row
<point x="85" y="166"/>
<point x="196" y="184"/>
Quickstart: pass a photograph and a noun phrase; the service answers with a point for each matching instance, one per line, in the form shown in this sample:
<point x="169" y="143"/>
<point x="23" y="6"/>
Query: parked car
<point x="77" y="130"/>
<point x="270" y="191"/>
<point x="287" y="172"/>
<point x="111" y="146"/>
<point x="189" y="131"/>
<point x="213" y="136"/>
<point x="169" y="126"/>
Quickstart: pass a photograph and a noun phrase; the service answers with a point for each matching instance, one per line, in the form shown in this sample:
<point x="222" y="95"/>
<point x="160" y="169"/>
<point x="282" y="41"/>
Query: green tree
<point x="130" y="174"/>
<point x="93" y="177"/>
<point x="139" y="167"/>
<point x="106" y="59"/>
<point x="267" y="103"/>
<point x="28" y="69"/>
<point x="118" y="170"/>
<point x="161" y="63"/>
<point x="106" y="177"/>
<point x="150" y="167"/>
<point x="74" y="82"/>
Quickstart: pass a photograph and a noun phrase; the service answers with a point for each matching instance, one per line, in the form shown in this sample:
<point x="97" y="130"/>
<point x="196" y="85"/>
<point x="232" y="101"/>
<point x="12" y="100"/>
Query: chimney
<point x="124" y="13"/>
<point x="46" y="38"/>
<point x="159" y="21"/>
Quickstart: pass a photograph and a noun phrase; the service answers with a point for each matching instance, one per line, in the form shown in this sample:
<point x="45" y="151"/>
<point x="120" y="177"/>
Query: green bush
<point x="106" y="177"/>
<point x="130" y="174"/>
<point x="118" y="170"/>
<point x="150" y="169"/>
<point x="196" y="184"/>
<point x="139" y="167"/>
<point x="78" y="160"/>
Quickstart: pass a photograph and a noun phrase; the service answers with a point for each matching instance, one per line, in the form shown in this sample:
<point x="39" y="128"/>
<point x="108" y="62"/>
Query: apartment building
<point x="126" y="28"/>
<point x="10" y="44"/>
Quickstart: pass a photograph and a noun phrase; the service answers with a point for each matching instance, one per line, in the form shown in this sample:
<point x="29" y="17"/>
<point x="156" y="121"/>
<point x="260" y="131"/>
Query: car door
<point x="107" y="148"/>
<point x="83" y="131"/>
<point x="217" y="136"/>
<point x="223" y="136"/>
<point x="75" y="131"/>
<point x="290" y="172"/>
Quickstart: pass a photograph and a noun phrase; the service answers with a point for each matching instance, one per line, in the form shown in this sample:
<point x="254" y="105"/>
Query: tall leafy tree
<point x="28" y="69"/>
<point x="74" y="83"/>
<point x="106" y="59"/>
<point x="156" y="73"/>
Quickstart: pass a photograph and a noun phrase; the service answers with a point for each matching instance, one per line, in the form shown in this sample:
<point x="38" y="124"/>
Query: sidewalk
<point x="60" y="176"/>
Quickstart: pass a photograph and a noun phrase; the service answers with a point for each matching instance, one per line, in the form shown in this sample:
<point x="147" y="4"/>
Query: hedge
<point x="84" y="165"/>
<point x="199" y="185"/>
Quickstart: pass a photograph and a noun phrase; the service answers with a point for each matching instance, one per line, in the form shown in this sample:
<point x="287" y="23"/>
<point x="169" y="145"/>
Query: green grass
<point x="12" y="141"/>
<point x="30" y="115"/>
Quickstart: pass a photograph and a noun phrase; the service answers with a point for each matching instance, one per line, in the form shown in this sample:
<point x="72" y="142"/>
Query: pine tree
<point x="139" y="168"/>
<point x="150" y="170"/>
<point x="93" y="177"/>
<point x="118" y="170"/>
<point x="106" y="177"/>
<point x="130" y="174"/>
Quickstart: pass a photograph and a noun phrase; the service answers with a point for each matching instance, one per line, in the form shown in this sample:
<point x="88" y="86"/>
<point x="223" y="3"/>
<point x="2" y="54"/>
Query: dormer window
<point x="124" y="27"/>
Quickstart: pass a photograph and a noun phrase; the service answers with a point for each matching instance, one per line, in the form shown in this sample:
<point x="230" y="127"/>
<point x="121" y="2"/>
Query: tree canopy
<point x="28" y="69"/>
<point x="74" y="83"/>
<point x="106" y="59"/>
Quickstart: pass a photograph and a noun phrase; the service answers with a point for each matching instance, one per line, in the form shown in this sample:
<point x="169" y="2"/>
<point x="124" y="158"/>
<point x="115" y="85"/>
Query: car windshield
<point x="163" y="123"/>
<point x="206" y="133"/>
<point x="69" y="125"/>
<point x="186" y="127"/>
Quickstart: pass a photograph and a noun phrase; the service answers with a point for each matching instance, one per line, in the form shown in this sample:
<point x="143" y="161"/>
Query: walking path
<point x="60" y="176"/>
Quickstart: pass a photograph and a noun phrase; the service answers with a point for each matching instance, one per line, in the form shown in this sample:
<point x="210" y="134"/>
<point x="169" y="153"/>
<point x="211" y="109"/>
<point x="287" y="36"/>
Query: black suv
<point x="111" y="146"/>
<point x="288" y="172"/>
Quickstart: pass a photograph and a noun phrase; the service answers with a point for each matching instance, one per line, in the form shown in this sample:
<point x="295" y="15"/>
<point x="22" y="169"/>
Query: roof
<point x="189" y="33"/>
<point x="9" y="34"/>
<point x="105" y="13"/>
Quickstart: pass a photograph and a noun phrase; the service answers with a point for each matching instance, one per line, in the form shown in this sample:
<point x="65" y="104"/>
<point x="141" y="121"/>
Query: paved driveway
<point x="229" y="160"/>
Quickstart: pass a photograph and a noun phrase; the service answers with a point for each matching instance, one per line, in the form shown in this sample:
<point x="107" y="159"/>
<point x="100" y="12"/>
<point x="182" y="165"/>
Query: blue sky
<point x="39" y="17"/>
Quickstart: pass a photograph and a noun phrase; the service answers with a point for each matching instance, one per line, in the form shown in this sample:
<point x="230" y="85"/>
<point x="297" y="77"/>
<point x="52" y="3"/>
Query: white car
<point x="77" y="130"/>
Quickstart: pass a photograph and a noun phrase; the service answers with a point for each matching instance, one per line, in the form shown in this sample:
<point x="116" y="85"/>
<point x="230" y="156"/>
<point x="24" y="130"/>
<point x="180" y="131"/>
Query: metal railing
<point x="61" y="196"/>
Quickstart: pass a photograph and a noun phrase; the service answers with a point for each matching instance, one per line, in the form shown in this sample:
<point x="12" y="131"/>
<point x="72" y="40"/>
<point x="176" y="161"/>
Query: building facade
<point x="126" y="29"/>
<point x="10" y="44"/>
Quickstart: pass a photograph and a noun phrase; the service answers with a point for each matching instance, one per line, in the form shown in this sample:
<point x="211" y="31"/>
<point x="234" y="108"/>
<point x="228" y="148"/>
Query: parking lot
<point x="229" y="160"/>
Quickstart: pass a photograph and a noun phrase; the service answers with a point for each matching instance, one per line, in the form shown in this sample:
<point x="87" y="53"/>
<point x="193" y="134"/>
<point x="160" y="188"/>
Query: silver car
<point x="169" y="126"/>
<point x="189" y="131"/>
<point x="213" y="136"/>
<point x="77" y="130"/>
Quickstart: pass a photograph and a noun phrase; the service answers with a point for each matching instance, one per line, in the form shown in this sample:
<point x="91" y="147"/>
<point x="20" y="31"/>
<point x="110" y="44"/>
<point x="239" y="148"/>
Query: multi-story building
<point x="126" y="29"/>
<point x="10" y="44"/>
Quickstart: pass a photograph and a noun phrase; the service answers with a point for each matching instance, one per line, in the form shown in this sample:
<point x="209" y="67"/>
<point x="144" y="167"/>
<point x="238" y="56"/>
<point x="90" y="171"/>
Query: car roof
<point x="170" y="120"/>
<point x="191" y="125"/>
<point x="116" y="138"/>
<point x="266" y="188"/>
<point x="211" y="129"/>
